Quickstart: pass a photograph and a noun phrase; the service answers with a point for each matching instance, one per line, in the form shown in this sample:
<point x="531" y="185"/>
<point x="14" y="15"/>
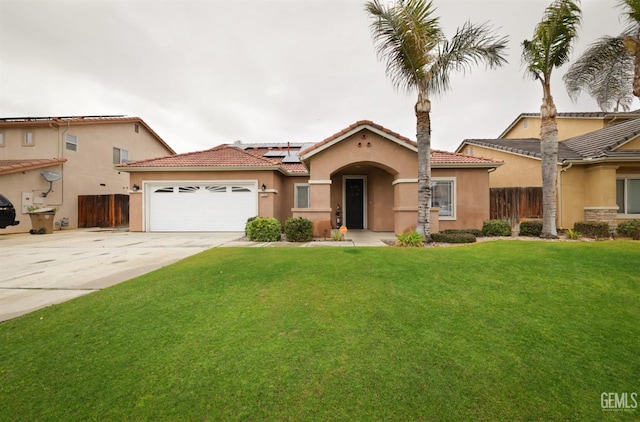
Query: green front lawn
<point x="509" y="330"/>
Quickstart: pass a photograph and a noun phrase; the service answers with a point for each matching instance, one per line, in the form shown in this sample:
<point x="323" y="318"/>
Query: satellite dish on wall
<point x="50" y="176"/>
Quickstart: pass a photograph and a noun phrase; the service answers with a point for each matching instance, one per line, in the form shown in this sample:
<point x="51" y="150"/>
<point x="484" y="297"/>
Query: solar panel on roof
<point x="291" y="159"/>
<point x="275" y="154"/>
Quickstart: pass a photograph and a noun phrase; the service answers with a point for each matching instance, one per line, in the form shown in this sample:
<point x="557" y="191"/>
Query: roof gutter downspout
<point x="562" y="170"/>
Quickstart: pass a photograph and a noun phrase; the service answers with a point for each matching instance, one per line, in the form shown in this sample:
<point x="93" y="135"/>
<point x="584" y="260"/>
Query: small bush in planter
<point x="496" y="228"/>
<point x="531" y="228"/>
<point x="595" y="229"/>
<point x="263" y="229"/>
<point x="475" y="232"/>
<point x="626" y="228"/>
<point x="453" y="237"/>
<point x="298" y="229"/>
<point x="410" y="239"/>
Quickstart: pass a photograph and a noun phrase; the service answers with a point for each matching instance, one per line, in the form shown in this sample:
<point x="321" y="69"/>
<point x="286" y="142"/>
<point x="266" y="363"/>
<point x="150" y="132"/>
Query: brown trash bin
<point x="42" y="221"/>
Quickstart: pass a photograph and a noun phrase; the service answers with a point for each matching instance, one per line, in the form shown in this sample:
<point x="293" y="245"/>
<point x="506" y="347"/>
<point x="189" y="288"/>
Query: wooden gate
<point x="103" y="210"/>
<point x="515" y="204"/>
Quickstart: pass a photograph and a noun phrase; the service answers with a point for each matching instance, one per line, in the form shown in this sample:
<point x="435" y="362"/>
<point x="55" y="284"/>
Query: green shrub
<point x="249" y="220"/>
<point x="336" y="235"/>
<point x="496" y="228"/>
<point x="475" y="232"/>
<point x="595" y="229"/>
<point x="573" y="235"/>
<point x="298" y="229"/>
<point x="410" y="239"/>
<point x="626" y="228"/>
<point x="460" y="237"/>
<point x="531" y="228"/>
<point x="263" y="229"/>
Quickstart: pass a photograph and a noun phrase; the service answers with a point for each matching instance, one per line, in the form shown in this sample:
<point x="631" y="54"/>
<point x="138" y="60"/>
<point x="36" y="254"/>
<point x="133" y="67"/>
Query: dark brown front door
<point x="354" y="203"/>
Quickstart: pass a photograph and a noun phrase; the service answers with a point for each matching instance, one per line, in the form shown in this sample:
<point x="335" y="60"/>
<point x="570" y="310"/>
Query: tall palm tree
<point x="609" y="70"/>
<point x="409" y="39"/>
<point x="549" y="48"/>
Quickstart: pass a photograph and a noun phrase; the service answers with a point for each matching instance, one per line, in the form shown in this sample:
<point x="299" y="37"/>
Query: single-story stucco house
<point x="364" y="177"/>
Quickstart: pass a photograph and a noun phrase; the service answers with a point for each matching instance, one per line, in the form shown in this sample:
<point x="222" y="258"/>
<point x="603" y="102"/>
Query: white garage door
<point x="202" y="207"/>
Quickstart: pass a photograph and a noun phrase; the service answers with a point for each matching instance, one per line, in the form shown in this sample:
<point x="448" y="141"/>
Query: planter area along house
<point x="364" y="175"/>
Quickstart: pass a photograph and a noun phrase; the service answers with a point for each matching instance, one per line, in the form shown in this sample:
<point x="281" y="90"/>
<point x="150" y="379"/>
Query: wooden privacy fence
<point x="103" y="210"/>
<point x="514" y="204"/>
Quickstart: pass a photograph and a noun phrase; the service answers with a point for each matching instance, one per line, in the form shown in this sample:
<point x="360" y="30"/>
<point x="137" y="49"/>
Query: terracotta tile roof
<point x="295" y="167"/>
<point x="14" y="166"/>
<point x="355" y="126"/>
<point x="444" y="158"/>
<point x="220" y="156"/>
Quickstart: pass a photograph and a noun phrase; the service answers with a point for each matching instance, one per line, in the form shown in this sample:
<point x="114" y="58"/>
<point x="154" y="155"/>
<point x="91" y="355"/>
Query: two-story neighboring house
<point x="53" y="161"/>
<point x="598" y="165"/>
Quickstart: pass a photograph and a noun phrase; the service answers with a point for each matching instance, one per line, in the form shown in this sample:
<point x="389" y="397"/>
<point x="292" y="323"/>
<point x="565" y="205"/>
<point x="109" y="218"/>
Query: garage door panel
<point x="201" y="207"/>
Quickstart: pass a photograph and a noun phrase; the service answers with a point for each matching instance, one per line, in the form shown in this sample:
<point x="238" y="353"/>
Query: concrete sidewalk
<point x="41" y="270"/>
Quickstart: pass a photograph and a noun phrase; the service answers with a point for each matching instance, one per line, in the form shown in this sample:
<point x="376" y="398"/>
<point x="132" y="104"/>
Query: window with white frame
<point x="72" y="142"/>
<point x="28" y="138"/>
<point x="628" y="195"/>
<point x="1" y="139"/>
<point x="120" y="156"/>
<point x="302" y="197"/>
<point x="443" y="196"/>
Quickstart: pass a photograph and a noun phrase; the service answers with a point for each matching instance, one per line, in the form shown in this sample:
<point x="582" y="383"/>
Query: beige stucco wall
<point x="529" y="127"/>
<point x="88" y="171"/>
<point x="593" y="186"/>
<point x="472" y="197"/>
<point x="633" y="144"/>
<point x="391" y="171"/>
<point x="517" y="170"/>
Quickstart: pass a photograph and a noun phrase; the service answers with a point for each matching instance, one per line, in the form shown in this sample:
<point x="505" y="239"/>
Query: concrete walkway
<point x="352" y="238"/>
<point x="41" y="270"/>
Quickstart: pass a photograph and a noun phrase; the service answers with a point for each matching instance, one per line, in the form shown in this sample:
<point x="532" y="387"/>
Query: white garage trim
<point x="199" y="205"/>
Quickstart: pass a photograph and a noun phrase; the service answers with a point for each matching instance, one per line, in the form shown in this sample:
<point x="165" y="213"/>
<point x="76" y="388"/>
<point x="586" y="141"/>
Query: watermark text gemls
<point x="619" y="402"/>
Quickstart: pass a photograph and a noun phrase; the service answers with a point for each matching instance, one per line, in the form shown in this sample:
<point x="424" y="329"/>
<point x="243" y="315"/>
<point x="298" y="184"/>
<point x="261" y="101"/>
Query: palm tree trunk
<point x="549" y="151"/>
<point x="636" y="70"/>
<point x="423" y="137"/>
<point x="632" y="44"/>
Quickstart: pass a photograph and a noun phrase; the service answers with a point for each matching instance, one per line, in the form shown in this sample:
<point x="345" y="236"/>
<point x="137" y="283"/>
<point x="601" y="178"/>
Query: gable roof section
<point x="528" y="147"/>
<point x="14" y="166"/>
<point x="597" y="145"/>
<point x="79" y="120"/>
<point x="602" y="142"/>
<point x="222" y="157"/>
<point x="355" y="128"/>
<point x="580" y="115"/>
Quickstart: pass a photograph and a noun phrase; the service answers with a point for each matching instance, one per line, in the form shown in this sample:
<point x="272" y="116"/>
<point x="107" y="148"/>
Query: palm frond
<point x="605" y="72"/>
<point x="553" y="37"/>
<point x="631" y="11"/>
<point x="471" y="45"/>
<point x="404" y="35"/>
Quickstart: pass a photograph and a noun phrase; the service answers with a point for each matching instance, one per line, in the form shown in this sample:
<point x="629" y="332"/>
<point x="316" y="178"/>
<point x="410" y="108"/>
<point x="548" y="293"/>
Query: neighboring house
<point x="598" y="171"/>
<point x="527" y="125"/>
<point x="78" y="151"/>
<point x="364" y="175"/>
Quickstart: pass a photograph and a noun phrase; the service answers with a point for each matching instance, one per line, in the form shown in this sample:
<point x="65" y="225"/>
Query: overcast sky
<point x="206" y="72"/>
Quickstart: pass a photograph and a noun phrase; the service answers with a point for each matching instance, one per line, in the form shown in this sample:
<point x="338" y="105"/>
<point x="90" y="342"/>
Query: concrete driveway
<point x="40" y="270"/>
